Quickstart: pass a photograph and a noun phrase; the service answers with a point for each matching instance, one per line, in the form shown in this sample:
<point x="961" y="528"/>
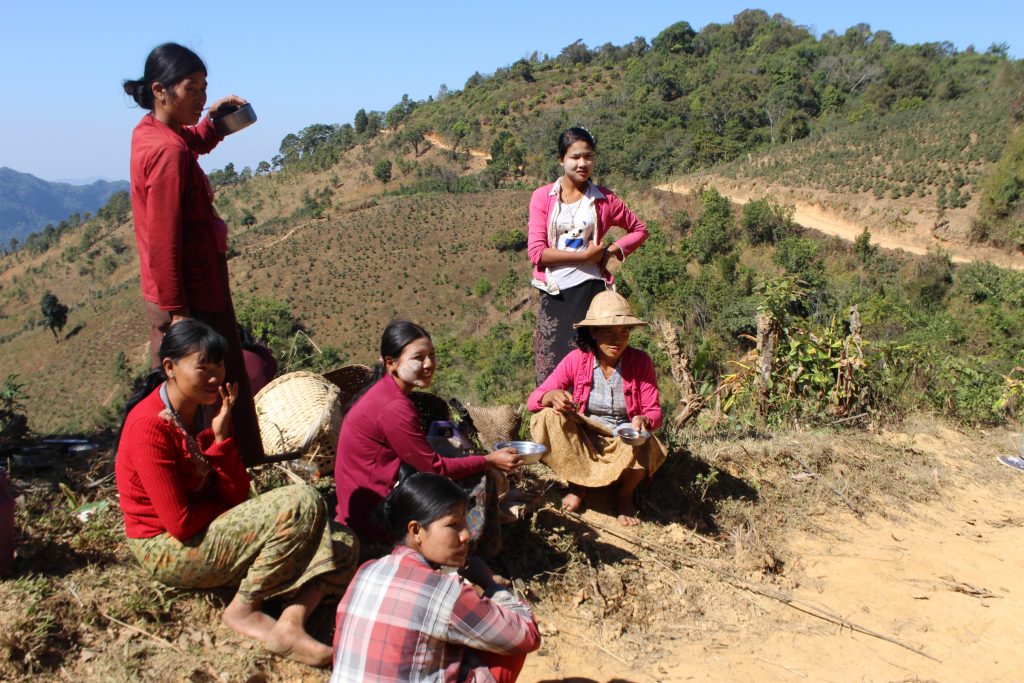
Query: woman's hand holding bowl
<point x="641" y="423"/>
<point x="233" y="100"/>
<point x="504" y="459"/>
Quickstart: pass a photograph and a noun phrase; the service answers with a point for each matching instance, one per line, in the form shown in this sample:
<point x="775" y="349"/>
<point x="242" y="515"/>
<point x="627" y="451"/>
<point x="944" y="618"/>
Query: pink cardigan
<point x="575" y="373"/>
<point x="611" y="212"/>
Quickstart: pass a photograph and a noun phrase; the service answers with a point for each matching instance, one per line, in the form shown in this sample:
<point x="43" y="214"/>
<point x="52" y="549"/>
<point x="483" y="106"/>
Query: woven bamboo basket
<point x="496" y="423"/>
<point x="301" y="412"/>
<point x="349" y="379"/>
<point x="431" y="408"/>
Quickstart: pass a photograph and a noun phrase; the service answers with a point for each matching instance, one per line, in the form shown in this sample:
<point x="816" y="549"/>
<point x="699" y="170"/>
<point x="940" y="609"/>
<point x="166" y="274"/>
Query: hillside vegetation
<point x="792" y="365"/>
<point x="28" y="204"/>
<point x="351" y="224"/>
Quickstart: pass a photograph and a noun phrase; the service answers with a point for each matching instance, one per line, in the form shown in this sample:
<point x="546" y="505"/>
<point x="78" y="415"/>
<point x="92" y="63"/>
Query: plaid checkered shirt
<point x="402" y="621"/>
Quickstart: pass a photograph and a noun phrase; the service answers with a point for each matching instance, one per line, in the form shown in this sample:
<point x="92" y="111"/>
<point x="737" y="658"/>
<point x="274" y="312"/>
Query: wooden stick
<point x="848" y="419"/>
<point x="849" y="503"/>
<point x="736" y="582"/>
<point x="165" y="643"/>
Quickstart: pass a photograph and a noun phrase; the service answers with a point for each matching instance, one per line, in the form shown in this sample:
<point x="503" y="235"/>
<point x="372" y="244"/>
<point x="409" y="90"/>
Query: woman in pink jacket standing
<point x="568" y="221"/>
<point x="596" y="411"/>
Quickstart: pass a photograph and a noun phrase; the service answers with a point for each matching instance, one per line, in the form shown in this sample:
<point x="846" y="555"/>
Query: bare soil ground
<point x="911" y="229"/>
<point x="753" y="564"/>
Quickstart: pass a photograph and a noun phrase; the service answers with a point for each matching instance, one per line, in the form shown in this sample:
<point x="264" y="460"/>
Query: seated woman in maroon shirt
<point x="382" y="430"/>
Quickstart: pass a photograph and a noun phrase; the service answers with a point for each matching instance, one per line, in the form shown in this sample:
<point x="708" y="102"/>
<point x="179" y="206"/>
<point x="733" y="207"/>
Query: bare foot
<point x="627" y="512"/>
<point x="572" y="501"/>
<point x="291" y="641"/>
<point x="248" y="620"/>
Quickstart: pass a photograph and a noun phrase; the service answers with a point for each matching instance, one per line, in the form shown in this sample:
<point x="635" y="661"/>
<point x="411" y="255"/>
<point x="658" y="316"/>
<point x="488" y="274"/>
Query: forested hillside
<point x="856" y="114"/>
<point x="420" y="211"/>
<point x="28" y="204"/>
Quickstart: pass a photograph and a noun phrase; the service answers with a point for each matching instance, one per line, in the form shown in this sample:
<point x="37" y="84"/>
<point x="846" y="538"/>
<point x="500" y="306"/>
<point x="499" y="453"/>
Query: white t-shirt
<point x="574" y="229"/>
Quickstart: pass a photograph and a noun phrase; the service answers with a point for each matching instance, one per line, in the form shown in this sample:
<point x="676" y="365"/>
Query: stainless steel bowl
<point x="630" y="434"/>
<point x="529" y="451"/>
<point x="230" y="119"/>
<point x="82" y="450"/>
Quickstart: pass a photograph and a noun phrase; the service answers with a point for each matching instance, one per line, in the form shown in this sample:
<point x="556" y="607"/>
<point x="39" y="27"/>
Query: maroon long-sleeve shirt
<point x="179" y="235"/>
<point x="380" y="432"/>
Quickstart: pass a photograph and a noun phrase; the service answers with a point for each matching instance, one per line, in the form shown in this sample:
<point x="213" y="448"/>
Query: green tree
<point x="382" y="170"/>
<point x="512" y="239"/>
<point x="460" y="129"/>
<point x="55" y="314"/>
<point x="677" y="38"/>
<point x="507" y="288"/>
<point x="482" y="287"/>
<point x="712" y="232"/>
<point x="763" y="221"/>
<point x="522" y="69"/>
<point x="361" y="121"/>
<point x="863" y="248"/>
<point x="13" y="421"/>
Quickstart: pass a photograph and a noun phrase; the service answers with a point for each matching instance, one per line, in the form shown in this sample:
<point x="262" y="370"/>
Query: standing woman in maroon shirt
<point x="182" y="241"/>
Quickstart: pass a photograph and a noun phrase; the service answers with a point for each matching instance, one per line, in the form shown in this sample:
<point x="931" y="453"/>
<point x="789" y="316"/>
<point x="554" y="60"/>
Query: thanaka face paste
<point x="411" y="372"/>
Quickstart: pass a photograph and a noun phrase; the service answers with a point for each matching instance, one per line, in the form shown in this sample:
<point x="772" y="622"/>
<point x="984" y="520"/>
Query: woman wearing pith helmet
<point x="584" y="409"/>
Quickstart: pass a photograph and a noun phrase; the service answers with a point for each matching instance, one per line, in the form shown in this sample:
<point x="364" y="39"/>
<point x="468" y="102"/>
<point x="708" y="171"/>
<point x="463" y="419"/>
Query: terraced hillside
<point x="343" y="276"/>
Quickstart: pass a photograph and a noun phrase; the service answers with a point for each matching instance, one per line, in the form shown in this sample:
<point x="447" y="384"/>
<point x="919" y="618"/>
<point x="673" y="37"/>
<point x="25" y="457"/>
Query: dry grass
<point x="81" y="607"/>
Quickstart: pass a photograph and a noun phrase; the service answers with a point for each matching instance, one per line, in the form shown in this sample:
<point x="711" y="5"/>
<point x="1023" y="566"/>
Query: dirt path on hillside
<point x="435" y="139"/>
<point x="941" y="577"/>
<point x="816" y="217"/>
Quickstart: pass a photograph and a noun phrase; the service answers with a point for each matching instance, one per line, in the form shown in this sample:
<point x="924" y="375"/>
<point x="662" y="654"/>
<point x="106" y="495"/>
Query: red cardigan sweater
<point x="179" y="235"/>
<point x="381" y="431"/>
<point x="156" y="477"/>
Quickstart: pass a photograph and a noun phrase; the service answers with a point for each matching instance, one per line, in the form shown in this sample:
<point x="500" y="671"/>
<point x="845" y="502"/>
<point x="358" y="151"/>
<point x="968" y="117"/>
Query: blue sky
<point x="319" y="62"/>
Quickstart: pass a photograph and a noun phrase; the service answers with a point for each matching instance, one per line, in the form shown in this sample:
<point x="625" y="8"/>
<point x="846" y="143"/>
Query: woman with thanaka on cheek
<point x="568" y="221"/>
<point x="408" y="617"/>
<point x="381" y="431"/>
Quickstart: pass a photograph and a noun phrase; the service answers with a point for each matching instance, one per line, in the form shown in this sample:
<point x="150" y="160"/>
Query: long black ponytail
<point x="167" y="65"/>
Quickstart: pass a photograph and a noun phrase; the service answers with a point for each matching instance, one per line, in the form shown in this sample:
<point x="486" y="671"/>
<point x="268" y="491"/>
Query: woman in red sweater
<point x="182" y="241"/>
<point x="184" y="492"/>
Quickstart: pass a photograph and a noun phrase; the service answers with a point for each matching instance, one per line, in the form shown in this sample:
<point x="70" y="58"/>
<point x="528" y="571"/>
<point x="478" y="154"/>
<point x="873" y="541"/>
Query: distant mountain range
<point x="28" y="204"/>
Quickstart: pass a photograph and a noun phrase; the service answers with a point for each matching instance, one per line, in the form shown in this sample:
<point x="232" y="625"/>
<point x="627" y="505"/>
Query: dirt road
<point x="816" y="217"/>
<point x="942" y="578"/>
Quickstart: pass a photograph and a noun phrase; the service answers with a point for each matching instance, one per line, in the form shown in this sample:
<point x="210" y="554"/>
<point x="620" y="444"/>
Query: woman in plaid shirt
<point x="409" y="617"/>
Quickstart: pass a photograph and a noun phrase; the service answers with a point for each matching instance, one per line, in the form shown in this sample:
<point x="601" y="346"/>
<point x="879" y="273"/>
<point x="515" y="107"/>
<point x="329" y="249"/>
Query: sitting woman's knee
<point x="306" y="505"/>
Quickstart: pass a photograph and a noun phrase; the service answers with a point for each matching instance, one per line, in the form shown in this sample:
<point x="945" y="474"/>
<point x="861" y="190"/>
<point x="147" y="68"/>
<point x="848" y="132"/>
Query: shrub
<point x="764" y="221"/>
<point x="512" y="239"/>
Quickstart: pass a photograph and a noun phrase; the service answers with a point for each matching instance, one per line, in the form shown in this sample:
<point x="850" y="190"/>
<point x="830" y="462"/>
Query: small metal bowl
<point x="530" y="452"/>
<point x="231" y="119"/>
<point x="82" y="450"/>
<point x="630" y="434"/>
<point x="34" y="457"/>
